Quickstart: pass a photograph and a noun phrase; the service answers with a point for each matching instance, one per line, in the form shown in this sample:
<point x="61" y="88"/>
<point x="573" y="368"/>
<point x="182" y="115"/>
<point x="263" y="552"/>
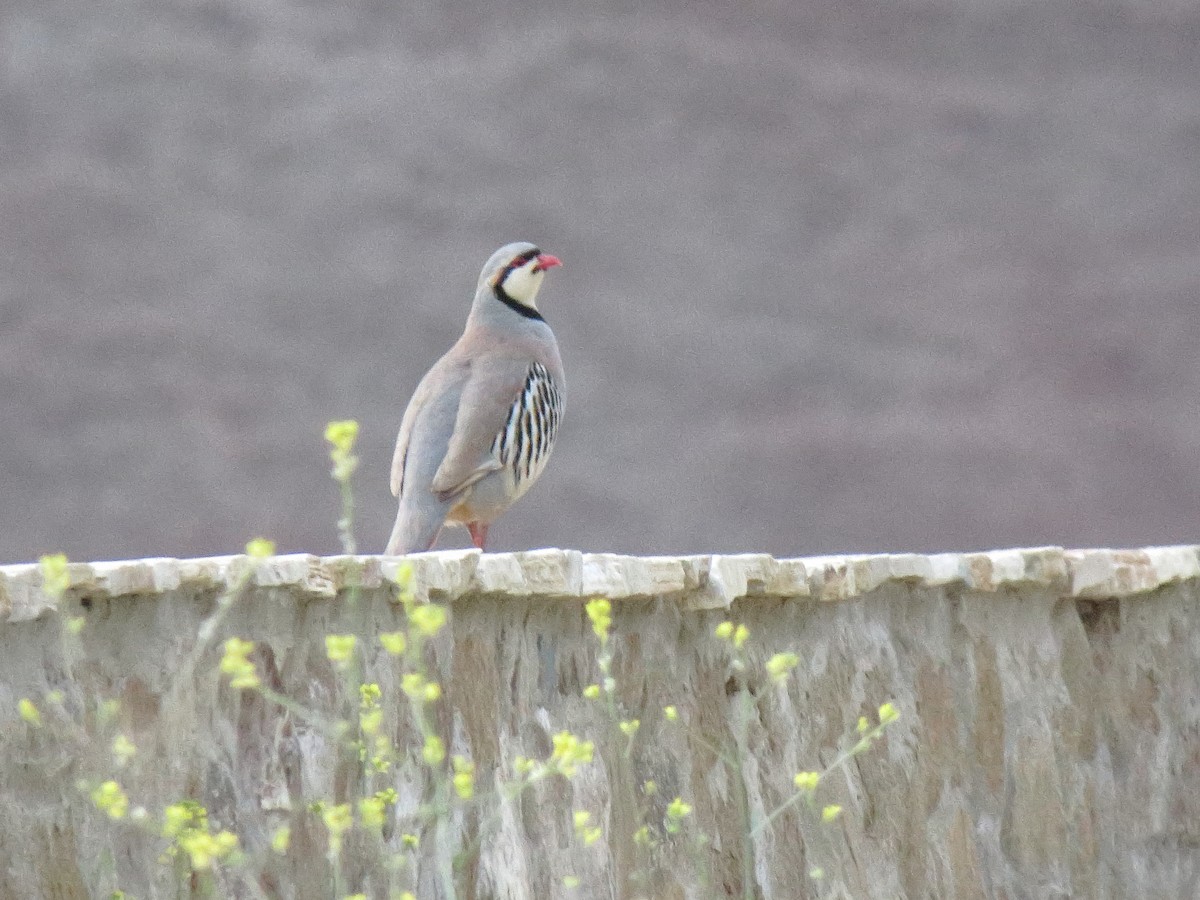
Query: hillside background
<point x="838" y="276"/>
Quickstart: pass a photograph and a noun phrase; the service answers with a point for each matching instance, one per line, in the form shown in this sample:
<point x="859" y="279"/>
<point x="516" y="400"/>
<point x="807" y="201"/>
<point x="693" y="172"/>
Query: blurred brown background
<point x="839" y="276"/>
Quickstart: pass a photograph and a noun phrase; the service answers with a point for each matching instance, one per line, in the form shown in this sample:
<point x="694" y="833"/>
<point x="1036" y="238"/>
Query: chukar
<point x="482" y="422"/>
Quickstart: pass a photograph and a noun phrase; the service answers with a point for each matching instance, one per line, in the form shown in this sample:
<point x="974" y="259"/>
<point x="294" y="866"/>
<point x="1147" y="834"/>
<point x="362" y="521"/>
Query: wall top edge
<point x="703" y="581"/>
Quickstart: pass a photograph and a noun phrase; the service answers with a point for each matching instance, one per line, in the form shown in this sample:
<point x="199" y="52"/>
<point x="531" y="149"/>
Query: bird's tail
<point x="417" y="527"/>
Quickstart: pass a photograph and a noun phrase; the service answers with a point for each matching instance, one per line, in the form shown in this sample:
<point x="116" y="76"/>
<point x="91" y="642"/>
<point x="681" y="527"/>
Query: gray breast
<point x="523" y="446"/>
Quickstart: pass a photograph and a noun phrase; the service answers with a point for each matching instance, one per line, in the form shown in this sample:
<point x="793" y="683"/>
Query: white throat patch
<point x="522" y="283"/>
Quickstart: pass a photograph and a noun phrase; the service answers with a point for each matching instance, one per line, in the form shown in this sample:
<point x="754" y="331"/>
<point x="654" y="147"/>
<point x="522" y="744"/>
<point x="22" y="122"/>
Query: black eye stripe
<point x="520" y="261"/>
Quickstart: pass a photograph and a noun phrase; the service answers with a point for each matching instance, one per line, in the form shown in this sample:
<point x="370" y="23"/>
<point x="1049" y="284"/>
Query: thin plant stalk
<point x="743" y="709"/>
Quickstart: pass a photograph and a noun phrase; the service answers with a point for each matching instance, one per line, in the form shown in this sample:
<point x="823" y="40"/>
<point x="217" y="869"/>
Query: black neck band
<point x="527" y="311"/>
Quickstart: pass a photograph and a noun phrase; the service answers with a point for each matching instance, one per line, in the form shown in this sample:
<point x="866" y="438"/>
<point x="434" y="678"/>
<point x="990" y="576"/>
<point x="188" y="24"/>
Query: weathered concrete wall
<point x="1048" y="745"/>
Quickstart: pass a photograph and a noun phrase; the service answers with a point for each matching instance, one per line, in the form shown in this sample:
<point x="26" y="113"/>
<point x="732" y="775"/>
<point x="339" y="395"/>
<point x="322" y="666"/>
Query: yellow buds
<point x="241" y="672"/>
<point x="807" y="781"/>
<point x="340" y="649"/>
<point x="599" y="611"/>
<point x="260" y="548"/>
<point x="780" y="666"/>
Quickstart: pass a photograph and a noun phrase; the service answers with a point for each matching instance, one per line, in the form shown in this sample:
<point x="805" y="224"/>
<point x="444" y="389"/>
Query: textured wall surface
<point x="1048" y="745"/>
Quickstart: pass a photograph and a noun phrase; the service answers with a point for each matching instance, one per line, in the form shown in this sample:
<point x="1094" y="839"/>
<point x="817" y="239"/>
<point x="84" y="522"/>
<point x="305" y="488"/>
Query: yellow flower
<point x="569" y="751"/>
<point x="369" y="721"/>
<point x="340" y="649"/>
<point x="382" y="760"/>
<point x="179" y="817"/>
<point x="341" y="437"/>
<point x="780" y="665"/>
<point x="434" y="750"/>
<point x="369" y="695"/>
<point x="111" y="800"/>
<point x="234" y="663"/>
<point x="394" y="642"/>
<point x="888" y="713"/>
<point x="227" y="841"/>
<point x="203" y="849"/>
<point x="591" y="692"/>
<point x="260" y="548"/>
<point x="123" y="749"/>
<point x="55" y="576"/>
<point x="724" y="631"/>
<point x="630" y="727"/>
<point x="464" y="777"/>
<point x="739" y="636"/>
<point x="584" y="830"/>
<point x="670" y="713"/>
<point x="807" y="781"/>
<point x="246" y="680"/>
<point x="281" y="839"/>
<point x="388" y="796"/>
<point x="29" y="712"/>
<point x="677" y="811"/>
<point x="403" y="577"/>
<point x="337" y="821"/>
<point x="371" y="812"/>
<point x="428" y="618"/>
<point x="599" y="611"/>
<point x="830" y="812"/>
<point x="413" y="684"/>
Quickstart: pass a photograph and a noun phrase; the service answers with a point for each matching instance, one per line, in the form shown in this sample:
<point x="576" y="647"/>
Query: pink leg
<point x="478" y="534"/>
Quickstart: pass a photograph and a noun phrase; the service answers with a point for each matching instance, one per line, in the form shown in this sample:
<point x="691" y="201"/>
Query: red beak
<point x="546" y="261"/>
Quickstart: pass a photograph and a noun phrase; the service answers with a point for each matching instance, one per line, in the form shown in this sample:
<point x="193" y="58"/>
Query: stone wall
<point x="1048" y="743"/>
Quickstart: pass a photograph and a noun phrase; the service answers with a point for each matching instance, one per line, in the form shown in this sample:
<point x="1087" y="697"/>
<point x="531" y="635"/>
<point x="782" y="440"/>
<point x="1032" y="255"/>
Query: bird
<point x="482" y="422"/>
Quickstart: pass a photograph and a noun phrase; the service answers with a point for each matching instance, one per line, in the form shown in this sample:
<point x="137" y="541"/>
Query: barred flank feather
<point x="525" y="442"/>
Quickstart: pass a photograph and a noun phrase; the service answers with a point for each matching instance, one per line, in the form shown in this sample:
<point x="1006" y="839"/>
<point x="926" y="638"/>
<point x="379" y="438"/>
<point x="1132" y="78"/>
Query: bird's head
<point x="515" y="274"/>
